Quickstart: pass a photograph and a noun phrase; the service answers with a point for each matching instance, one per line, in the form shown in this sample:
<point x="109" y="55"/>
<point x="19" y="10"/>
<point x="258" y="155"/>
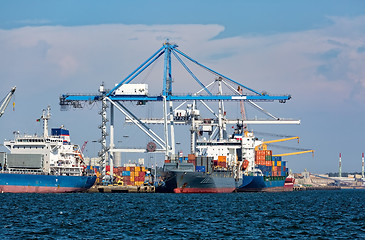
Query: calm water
<point x="301" y="215"/>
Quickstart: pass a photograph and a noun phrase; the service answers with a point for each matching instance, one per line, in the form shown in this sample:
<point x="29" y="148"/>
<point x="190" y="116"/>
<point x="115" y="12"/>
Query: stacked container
<point x="260" y="157"/>
<point x="270" y="165"/>
<point x="279" y="166"/>
<point x="131" y="176"/>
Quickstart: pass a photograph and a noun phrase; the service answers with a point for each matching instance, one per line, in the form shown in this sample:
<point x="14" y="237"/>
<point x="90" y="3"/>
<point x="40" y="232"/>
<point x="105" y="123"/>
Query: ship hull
<point x="198" y="182"/>
<point x="33" y="183"/>
<point x="261" y="184"/>
<point x="289" y="184"/>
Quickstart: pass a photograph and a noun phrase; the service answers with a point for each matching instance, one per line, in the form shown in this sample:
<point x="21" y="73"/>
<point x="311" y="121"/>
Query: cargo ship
<point x="232" y="165"/>
<point x="269" y="174"/>
<point x="44" y="164"/>
<point x="184" y="176"/>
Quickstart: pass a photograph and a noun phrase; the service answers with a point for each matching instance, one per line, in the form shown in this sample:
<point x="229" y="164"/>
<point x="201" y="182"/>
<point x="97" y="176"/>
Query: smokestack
<point x="340" y="168"/>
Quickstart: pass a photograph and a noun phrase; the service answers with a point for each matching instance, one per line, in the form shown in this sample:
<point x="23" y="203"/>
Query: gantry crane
<point x="5" y="102"/>
<point x="121" y="93"/>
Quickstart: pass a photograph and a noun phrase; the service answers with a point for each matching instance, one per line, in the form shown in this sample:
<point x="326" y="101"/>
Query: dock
<point x="121" y="189"/>
<point x="302" y="188"/>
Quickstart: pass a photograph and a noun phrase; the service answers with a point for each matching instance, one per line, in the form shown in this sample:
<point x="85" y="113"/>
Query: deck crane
<point x="83" y="146"/>
<point x="5" y="102"/>
<point x="293" y="153"/>
<point x="263" y="145"/>
<point x="117" y="96"/>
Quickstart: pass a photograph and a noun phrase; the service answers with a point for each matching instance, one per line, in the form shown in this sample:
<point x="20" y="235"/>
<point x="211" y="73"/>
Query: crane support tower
<point x="5" y="102"/>
<point x="126" y="91"/>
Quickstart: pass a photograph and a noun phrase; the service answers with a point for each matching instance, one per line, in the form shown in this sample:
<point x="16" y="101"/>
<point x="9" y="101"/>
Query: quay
<point x="302" y="188"/>
<point x="121" y="189"/>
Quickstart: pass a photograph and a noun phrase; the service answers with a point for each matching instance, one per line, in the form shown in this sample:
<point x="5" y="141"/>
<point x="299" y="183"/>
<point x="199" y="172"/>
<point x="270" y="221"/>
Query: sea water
<point x="336" y="214"/>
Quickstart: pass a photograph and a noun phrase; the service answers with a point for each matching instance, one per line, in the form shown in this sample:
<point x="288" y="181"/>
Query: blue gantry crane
<point x="127" y="91"/>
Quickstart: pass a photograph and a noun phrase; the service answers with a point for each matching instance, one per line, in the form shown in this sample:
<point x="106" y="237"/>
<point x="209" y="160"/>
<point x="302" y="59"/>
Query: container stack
<point x="204" y="164"/>
<point x="129" y="176"/>
<point x="279" y="167"/>
<point x="270" y="165"/>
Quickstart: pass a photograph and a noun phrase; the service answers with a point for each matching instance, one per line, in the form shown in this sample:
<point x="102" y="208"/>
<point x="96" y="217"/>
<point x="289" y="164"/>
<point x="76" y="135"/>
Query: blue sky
<point x="314" y="50"/>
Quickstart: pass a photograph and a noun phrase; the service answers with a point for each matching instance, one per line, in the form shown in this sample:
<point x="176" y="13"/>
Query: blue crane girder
<point x="167" y="49"/>
<point x="178" y="98"/>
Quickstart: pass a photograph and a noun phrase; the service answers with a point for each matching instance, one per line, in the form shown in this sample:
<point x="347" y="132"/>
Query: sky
<point x="312" y="50"/>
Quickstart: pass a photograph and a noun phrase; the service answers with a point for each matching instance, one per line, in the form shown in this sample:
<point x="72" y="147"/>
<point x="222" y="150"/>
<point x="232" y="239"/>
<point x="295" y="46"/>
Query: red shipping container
<point x="132" y="169"/>
<point x="268" y="152"/>
<point x="142" y="174"/>
<point x="167" y="161"/>
<point x="192" y="161"/>
<point x="215" y="162"/>
<point x="107" y="168"/>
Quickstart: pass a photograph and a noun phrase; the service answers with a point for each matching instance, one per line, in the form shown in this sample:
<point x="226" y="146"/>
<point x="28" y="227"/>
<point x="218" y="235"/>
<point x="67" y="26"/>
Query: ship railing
<point x="25" y="171"/>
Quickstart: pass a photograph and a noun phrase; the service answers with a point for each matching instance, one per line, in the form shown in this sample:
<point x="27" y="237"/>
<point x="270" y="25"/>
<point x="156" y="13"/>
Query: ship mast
<point x="46" y="117"/>
<point x="221" y="125"/>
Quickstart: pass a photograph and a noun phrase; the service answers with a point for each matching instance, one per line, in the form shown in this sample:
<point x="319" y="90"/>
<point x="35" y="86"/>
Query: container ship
<point x="232" y="165"/>
<point x="269" y="176"/>
<point x="44" y="164"/>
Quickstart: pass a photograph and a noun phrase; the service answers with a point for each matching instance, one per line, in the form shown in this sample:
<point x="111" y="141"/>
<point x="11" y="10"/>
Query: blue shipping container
<point x="200" y="168"/>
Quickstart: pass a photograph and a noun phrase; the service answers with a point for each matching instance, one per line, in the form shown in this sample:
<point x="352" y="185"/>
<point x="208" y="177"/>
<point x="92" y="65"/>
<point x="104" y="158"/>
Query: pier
<point x="121" y="189"/>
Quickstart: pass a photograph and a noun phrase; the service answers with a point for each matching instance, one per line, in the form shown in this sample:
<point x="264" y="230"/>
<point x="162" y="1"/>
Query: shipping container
<point x="260" y="152"/>
<point x="200" y="168"/>
<point x="137" y="169"/>
<point x="278" y="163"/>
<point x="268" y="152"/>
<point x="192" y="161"/>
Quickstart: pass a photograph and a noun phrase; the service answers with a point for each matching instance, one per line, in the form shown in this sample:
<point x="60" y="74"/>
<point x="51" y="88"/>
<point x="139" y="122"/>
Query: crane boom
<point x="281" y="140"/>
<point x="83" y="147"/>
<point x="293" y="153"/>
<point x="4" y="103"/>
<point x="263" y="145"/>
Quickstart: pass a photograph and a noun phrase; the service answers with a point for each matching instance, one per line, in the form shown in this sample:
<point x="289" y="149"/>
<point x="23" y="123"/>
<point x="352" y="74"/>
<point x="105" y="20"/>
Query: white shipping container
<point x="132" y="89"/>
